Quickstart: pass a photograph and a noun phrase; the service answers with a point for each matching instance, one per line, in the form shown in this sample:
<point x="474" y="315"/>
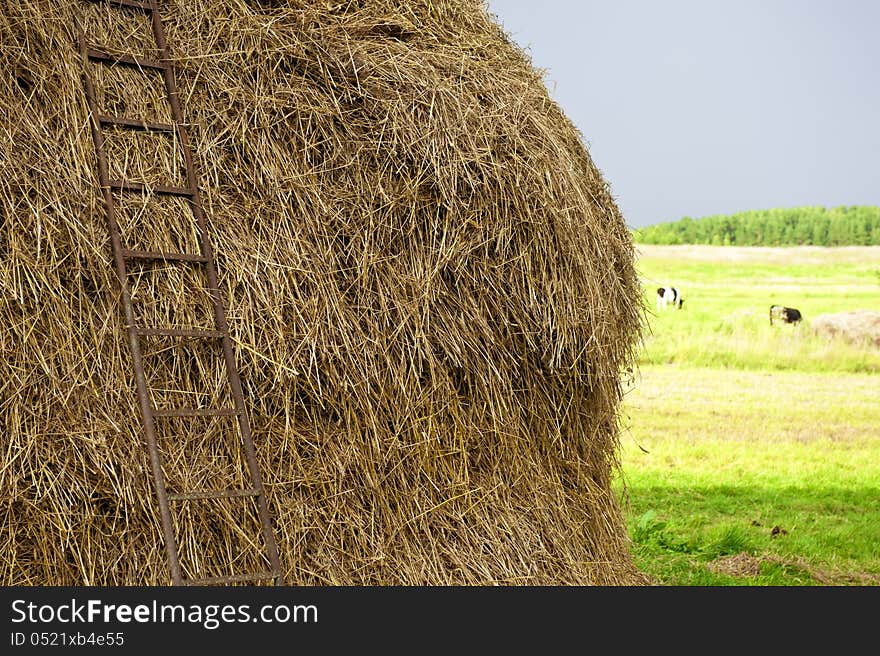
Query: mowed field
<point x="750" y="452"/>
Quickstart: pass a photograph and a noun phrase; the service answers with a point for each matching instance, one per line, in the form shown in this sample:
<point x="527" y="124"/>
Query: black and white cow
<point x="785" y="314"/>
<point x="666" y="295"/>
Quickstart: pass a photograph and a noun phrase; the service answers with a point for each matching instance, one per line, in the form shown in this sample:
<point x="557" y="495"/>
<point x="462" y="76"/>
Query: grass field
<point x="751" y="453"/>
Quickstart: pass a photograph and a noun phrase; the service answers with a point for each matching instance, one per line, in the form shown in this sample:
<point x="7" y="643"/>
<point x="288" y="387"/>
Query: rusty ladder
<point x="121" y="255"/>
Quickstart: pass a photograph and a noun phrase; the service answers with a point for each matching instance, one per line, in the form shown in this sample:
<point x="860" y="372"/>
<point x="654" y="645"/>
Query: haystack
<point x="429" y="286"/>
<point x="856" y="327"/>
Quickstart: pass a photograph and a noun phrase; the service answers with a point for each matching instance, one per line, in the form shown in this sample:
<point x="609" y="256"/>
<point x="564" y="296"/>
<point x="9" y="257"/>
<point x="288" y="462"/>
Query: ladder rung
<point x="197" y="412"/>
<point x="128" y="4"/>
<point x="178" y="332"/>
<point x="236" y="578"/>
<point x="157" y="255"/>
<point x="135" y="125"/>
<point x="124" y="60"/>
<point x="214" y="494"/>
<point x="121" y="185"/>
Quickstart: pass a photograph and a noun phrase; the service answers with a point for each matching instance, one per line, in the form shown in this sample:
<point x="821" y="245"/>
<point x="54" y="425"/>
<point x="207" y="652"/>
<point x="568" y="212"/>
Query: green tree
<point x="820" y="226"/>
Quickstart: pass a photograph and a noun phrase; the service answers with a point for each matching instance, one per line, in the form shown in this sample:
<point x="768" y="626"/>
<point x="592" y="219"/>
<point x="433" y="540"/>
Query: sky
<point x="701" y="107"/>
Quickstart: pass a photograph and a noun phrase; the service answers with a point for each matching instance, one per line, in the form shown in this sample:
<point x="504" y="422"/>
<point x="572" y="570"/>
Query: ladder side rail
<point x="219" y="312"/>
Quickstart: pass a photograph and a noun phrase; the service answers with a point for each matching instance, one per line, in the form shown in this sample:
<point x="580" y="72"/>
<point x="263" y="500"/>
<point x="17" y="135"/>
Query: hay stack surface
<point x="857" y="326"/>
<point x="430" y="289"/>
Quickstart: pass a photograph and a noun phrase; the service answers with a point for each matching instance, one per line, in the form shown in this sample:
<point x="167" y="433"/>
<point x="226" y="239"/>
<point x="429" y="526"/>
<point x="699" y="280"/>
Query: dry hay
<point x="430" y="288"/>
<point x="857" y="326"/>
<point x="741" y="564"/>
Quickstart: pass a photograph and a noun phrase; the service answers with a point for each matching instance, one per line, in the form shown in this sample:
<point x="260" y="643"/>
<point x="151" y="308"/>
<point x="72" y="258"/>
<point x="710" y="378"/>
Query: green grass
<point x="740" y="429"/>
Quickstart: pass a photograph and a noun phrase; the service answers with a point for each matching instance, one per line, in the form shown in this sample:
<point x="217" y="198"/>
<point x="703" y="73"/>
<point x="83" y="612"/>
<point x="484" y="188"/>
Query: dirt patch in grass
<point x="744" y="564"/>
<point x="741" y="564"/>
<point x="826" y="577"/>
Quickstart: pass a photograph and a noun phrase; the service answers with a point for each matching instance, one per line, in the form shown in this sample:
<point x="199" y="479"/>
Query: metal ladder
<point x="121" y="256"/>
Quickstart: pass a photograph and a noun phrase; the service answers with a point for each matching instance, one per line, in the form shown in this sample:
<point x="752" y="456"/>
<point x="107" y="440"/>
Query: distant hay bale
<point x="430" y="287"/>
<point x="857" y="327"/>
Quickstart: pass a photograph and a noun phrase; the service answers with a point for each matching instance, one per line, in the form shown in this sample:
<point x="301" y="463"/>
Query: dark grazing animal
<point x="666" y="295"/>
<point x="785" y="314"/>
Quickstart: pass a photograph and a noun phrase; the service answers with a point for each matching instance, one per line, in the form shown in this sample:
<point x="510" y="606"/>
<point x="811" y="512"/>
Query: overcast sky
<point x="700" y="107"/>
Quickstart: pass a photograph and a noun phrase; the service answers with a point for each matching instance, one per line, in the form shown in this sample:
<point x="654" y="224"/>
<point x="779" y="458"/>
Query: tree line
<point x="817" y="226"/>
